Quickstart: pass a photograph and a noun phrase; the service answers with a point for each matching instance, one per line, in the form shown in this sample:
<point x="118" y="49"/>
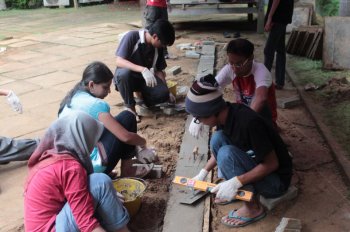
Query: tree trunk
<point x="344" y="8"/>
<point x="2" y="5"/>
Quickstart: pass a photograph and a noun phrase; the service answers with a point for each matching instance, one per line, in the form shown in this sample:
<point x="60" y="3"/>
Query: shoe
<point x="247" y="221"/>
<point x="279" y="87"/>
<point x="138" y="118"/>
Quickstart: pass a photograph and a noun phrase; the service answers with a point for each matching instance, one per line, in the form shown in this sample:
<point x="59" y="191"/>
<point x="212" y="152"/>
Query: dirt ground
<point x="323" y="199"/>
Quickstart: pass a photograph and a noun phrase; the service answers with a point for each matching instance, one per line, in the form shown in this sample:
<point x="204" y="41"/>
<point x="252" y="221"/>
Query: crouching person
<point x="61" y="192"/>
<point x="247" y="150"/>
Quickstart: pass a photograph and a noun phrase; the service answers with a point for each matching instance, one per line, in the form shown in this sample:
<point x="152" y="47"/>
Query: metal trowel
<point x="193" y="197"/>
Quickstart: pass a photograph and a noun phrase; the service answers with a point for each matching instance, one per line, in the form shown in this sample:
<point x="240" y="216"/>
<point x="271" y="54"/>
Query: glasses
<point x="241" y="65"/>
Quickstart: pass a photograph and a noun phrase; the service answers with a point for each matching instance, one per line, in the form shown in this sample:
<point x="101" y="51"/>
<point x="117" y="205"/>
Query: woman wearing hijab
<point x="61" y="192"/>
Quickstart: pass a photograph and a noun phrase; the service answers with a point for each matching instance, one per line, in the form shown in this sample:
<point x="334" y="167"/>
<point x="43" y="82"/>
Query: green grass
<point x="311" y="71"/>
<point x="336" y="115"/>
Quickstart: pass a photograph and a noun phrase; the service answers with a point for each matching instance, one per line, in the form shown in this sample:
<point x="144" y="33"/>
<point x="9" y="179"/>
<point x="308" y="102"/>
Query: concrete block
<point x="289" y="225"/>
<point x="208" y="50"/>
<point x="183" y="45"/>
<point x="289" y="102"/>
<point x="208" y="42"/>
<point x="192" y="54"/>
<point x="271" y="203"/>
<point x="173" y="70"/>
<point x="336" y="47"/>
<point x="302" y="16"/>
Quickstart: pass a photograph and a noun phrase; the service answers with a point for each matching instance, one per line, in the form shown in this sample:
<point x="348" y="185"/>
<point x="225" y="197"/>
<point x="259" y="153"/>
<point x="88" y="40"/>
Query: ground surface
<point x="41" y="66"/>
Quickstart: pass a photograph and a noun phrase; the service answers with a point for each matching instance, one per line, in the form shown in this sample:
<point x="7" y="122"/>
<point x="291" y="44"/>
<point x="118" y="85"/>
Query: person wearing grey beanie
<point x="246" y="148"/>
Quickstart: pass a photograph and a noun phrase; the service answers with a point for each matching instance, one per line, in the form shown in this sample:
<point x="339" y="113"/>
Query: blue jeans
<point x="116" y="149"/>
<point x="127" y="82"/>
<point x="276" y="43"/>
<point x="109" y="210"/>
<point x="232" y="162"/>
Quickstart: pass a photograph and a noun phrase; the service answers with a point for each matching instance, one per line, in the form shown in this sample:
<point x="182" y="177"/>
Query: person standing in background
<point x="279" y="14"/>
<point x="154" y="10"/>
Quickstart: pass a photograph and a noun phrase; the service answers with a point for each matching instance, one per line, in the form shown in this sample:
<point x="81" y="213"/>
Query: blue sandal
<point x="247" y="221"/>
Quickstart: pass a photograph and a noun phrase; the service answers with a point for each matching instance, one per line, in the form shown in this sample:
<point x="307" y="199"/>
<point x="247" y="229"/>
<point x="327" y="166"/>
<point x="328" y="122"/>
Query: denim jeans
<point x="276" y="43"/>
<point x="16" y="149"/>
<point x="232" y="162"/>
<point x="116" y="149"/>
<point x="127" y="82"/>
<point x="109" y="210"/>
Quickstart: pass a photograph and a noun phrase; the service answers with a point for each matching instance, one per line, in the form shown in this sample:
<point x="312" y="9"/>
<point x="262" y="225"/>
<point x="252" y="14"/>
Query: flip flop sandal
<point x="247" y="221"/>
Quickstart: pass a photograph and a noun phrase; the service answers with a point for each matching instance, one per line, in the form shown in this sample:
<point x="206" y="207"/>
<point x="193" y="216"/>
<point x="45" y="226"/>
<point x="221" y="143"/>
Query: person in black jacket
<point x="279" y="14"/>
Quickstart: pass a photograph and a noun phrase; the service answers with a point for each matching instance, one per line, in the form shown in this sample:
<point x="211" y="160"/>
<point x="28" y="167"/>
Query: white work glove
<point x="14" y="102"/>
<point x="201" y="175"/>
<point x="227" y="190"/>
<point x="149" y="77"/>
<point x="146" y="155"/>
<point x="121" y="197"/>
<point x="195" y="129"/>
<point x="172" y="98"/>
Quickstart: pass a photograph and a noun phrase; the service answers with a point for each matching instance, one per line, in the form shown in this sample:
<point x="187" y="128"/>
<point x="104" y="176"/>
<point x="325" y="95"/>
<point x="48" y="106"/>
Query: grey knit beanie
<point x="204" y="98"/>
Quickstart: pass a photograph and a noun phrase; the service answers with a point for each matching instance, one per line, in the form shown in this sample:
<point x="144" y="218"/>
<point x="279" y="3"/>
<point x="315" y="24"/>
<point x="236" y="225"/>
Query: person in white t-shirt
<point x="251" y="81"/>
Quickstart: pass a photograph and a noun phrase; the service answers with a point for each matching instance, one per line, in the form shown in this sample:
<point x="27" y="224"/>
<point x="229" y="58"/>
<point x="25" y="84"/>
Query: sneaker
<point x="278" y="87"/>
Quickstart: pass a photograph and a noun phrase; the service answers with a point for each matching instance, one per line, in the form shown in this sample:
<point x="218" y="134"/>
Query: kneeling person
<point x="141" y="65"/>
<point x="247" y="150"/>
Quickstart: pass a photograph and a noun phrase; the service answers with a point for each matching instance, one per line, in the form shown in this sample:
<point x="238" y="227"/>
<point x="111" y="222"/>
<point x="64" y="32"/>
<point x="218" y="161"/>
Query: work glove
<point x="172" y="98"/>
<point x="121" y="197"/>
<point x="195" y="129"/>
<point x="227" y="190"/>
<point x="149" y="77"/>
<point x="14" y="102"/>
<point x="201" y="175"/>
<point x="146" y="155"/>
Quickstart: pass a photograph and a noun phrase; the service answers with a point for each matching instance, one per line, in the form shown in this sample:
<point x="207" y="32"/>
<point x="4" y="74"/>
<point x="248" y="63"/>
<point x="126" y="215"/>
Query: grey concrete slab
<point x="9" y="66"/>
<point x="52" y="79"/>
<point x="189" y="217"/>
<point x="336" y="46"/>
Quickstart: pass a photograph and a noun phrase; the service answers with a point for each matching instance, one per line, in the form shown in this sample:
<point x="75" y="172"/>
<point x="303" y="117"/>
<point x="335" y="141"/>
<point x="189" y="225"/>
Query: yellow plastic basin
<point x="172" y="85"/>
<point x="132" y="189"/>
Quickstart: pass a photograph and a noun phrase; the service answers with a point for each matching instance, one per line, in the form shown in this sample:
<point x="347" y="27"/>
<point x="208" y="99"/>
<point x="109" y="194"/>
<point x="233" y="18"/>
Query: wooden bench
<point x="203" y="7"/>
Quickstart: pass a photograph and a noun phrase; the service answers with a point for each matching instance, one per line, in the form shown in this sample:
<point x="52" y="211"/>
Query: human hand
<point x="227" y="190"/>
<point x="201" y="175"/>
<point x="121" y="197"/>
<point x="149" y="77"/>
<point x="195" y="129"/>
<point x="147" y="155"/>
<point x="268" y="25"/>
<point x="172" y="98"/>
<point x="14" y="102"/>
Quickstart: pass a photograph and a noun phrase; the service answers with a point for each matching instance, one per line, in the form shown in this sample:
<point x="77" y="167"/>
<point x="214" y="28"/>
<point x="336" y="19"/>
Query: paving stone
<point x="289" y="225"/>
<point x="173" y="70"/>
<point x="183" y="45"/>
<point x="208" y="42"/>
<point x="289" y="102"/>
<point x="192" y="54"/>
<point x="208" y="50"/>
<point x="23" y="44"/>
<point x="271" y="203"/>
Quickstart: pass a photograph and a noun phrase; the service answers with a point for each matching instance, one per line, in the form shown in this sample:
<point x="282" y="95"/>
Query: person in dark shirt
<point x="246" y="148"/>
<point x="279" y="14"/>
<point x="141" y="65"/>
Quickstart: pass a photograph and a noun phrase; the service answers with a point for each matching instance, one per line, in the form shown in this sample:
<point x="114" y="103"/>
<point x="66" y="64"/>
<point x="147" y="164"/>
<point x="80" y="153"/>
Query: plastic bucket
<point x="132" y="189"/>
<point x="172" y="87"/>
